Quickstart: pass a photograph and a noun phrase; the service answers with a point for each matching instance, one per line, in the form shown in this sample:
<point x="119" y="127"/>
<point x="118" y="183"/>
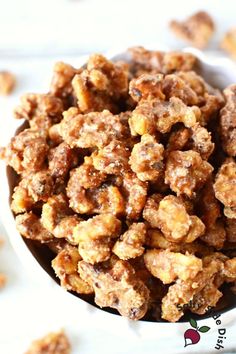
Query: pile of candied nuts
<point x="127" y="173"/>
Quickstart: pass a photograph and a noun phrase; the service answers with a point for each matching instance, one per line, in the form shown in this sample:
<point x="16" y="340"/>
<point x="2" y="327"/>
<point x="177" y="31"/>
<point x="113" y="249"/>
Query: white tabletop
<point x="32" y="37"/>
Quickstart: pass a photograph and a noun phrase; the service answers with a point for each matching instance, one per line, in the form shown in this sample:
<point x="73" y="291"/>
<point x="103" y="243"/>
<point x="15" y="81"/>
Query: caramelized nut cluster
<point x="127" y="173"/>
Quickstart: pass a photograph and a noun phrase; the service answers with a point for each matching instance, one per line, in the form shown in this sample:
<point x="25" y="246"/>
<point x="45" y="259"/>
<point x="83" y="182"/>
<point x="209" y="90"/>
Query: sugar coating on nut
<point x="52" y="343"/>
<point x="186" y="172"/>
<point x="197" y="29"/>
<point x="168" y="266"/>
<point x="116" y="286"/>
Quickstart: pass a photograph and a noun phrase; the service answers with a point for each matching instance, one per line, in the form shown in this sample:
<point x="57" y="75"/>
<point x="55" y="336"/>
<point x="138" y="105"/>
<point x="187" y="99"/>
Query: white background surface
<point x="31" y="29"/>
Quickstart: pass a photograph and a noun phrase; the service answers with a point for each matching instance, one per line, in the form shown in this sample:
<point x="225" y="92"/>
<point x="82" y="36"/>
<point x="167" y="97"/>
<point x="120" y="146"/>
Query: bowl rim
<point x="30" y="262"/>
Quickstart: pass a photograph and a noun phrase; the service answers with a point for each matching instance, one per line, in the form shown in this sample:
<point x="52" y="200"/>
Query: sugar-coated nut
<point x="130" y="244"/>
<point x="168" y="266"/>
<point x="100" y="226"/>
<point x="186" y="172"/>
<point x="65" y="266"/>
<point x="30" y="226"/>
<point x="197" y="29"/>
<point x="52" y="343"/>
<point x="228" y="121"/>
<point x="116" y="285"/>
<point x="146" y="158"/>
<point x="225" y="186"/>
<point x="159" y="116"/>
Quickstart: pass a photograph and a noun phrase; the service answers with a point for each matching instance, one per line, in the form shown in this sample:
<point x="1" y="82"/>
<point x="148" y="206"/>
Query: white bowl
<point x="219" y="72"/>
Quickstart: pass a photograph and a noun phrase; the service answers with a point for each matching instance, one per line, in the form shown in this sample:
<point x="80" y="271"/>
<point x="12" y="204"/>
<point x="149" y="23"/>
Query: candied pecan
<point x="228" y="42"/>
<point x="229" y="271"/>
<point x="101" y="85"/>
<point x="200" y="141"/>
<point x="146" y="158"/>
<point x="178" y="139"/>
<point x="7" y="82"/>
<point x="183" y="291"/>
<point x="30" y="226"/>
<point x="26" y="151"/>
<point x="134" y="192"/>
<point x="100" y="226"/>
<point x="197" y="29"/>
<point x="146" y="87"/>
<point x="156" y="239"/>
<point x="168" y="266"/>
<point x="107" y="199"/>
<point x="175" y="86"/>
<point x="95" y="251"/>
<point x="152" y="116"/>
<point x="161" y="62"/>
<point x="21" y="200"/>
<point x="61" y="81"/>
<point x="58" y="218"/>
<point x="228" y="121"/>
<point x="175" y="223"/>
<point x="82" y="178"/>
<point x="39" y="105"/>
<point x="197" y="138"/>
<point x="54" y="134"/>
<point x="225" y="187"/>
<point x="116" y="285"/>
<point x="52" y="343"/>
<point x="186" y="172"/>
<point x="151" y="208"/>
<point x="40" y="185"/>
<point x="92" y="129"/>
<point x="65" y="266"/>
<point x="61" y="159"/>
<point x="112" y="159"/>
<point x="130" y="244"/>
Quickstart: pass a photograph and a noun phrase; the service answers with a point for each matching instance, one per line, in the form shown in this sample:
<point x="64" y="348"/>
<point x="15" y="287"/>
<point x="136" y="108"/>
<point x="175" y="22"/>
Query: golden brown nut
<point x="178" y="139"/>
<point x="146" y="87"/>
<point x="81" y="179"/>
<point x="112" y="159"/>
<point x="197" y="29"/>
<point x="159" y="62"/>
<point x="168" y="266"/>
<point x="151" y="208"/>
<point x="116" y="285"/>
<point x="151" y="116"/>
<point x="100" y="85"/>
<point x="208" y="205"/>
<point x="92" y="129"/>
<point x="225" y="187"/>
<point x="52" y="343"/>
<point x="39" y="106"/>
<point x="135" y="194"/>
<point x="100" y="226"/>
<point x="130" y="244"/>
<point x="21" y="200"/>
<point x="96" y="251"/>
<point x="61" y="81"/>
<point x="30" y="226"/>
<point x="146" y="158"/>
<point x="228" y="42"/>
<point x="182" y="291"/>
<point x="7" y="82"/>
<point x="228" y="121"/>
<point x="26" y="151"/>
<point x="65" y="266"/>
<point x="186" y="172"/>
<point x="107" y="199"/>
<point x="58" y="218"/>
<point x="61" y="159"/>
<point x="175" y="223"/>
